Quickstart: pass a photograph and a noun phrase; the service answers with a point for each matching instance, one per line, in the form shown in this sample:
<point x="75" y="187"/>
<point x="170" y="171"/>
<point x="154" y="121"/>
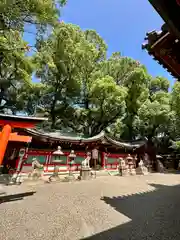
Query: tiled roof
<point x="56" y="136"/>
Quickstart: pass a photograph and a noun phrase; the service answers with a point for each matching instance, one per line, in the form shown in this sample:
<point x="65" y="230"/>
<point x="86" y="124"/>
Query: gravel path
<point x="140" y="207"/>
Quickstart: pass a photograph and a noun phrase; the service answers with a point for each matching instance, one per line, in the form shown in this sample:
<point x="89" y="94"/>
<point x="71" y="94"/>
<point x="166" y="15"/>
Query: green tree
<point x="174" y="128"/>
<point x="117" y="66"/>
<point x="15" y="14"/>
<point x="137" y="84"/>
<point x="59" y="62"/>
<point x="15" y="66"/>
<point x="106" y="101"/>
<point x="94" y="54"/>
<point x="15" y="17"/>
<point x="154" y="114"/>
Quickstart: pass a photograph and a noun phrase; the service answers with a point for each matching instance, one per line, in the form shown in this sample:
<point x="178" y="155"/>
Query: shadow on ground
<point x="15" y="197"/>
<point x="154" y="215"/>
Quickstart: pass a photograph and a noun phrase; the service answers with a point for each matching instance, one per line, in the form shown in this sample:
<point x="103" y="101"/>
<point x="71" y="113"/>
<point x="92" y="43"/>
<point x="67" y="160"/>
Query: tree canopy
<point x="79" y="88"/>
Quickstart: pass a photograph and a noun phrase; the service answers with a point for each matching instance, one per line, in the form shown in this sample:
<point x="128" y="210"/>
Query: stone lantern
<point x="130" y="162"/>
<point x="72" y="157"/>
<point x="56" y="161"/>
<point x="123" y="168"/>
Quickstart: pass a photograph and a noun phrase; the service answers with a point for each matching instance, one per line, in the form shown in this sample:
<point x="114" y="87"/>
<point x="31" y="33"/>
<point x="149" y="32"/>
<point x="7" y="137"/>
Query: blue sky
<point x="122" y="24"/>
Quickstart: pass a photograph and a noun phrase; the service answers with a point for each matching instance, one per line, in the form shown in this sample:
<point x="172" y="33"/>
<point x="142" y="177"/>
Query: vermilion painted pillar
<point x="103" y="160"/>
<point x="4" y="138"/>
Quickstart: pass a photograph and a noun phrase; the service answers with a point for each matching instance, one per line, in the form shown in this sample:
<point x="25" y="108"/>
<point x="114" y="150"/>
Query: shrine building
<point x="20" y="133"/>
<point x="43" y="146"/>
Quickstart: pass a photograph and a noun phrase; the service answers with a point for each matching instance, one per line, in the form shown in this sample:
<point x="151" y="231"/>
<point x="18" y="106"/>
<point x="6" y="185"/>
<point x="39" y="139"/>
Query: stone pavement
<point x="108" y="207"/>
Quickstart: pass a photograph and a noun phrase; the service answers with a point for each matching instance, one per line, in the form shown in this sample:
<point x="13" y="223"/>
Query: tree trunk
<point x="151" y="151"/>
<point x="53" y="115"/>
<point x="53" y="118"/>
<point x="2" y="95"/>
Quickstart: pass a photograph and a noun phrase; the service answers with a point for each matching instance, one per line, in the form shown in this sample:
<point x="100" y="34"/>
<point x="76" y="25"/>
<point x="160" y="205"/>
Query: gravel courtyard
<point x="140" y="207"/>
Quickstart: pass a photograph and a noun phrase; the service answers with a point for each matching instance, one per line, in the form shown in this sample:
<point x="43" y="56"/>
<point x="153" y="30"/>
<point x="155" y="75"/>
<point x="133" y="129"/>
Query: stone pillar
<point x="131" y="166"/>
<point x="85" y="173"/>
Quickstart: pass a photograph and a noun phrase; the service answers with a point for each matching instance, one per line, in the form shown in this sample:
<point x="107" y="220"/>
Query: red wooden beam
<point x="19" y="138"/>
<point x="18" y="124"/>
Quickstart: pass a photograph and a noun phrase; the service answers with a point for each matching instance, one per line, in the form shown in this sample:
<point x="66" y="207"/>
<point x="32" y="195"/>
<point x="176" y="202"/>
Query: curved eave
<point x="50" y="137"/>
<point x="101" y="137"/>
<point x="127" y="145"/>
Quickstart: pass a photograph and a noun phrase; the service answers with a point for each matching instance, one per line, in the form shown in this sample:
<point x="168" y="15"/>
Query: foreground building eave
<point x="160" y="45"/>
<point x="169" y="10"/>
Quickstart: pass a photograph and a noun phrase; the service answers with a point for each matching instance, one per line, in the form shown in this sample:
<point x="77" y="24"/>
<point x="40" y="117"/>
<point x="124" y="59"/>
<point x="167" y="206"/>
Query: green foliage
<point x="175" y="145"/>
<point x="154" y="114"/>
<point x="80" y="89"/>
<point x="175" y="98"/>
<point x="85" y="92"/>
<point x="16" y="67"/>
<point x="159" y="84"/>
<point x="15" y="14"/>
